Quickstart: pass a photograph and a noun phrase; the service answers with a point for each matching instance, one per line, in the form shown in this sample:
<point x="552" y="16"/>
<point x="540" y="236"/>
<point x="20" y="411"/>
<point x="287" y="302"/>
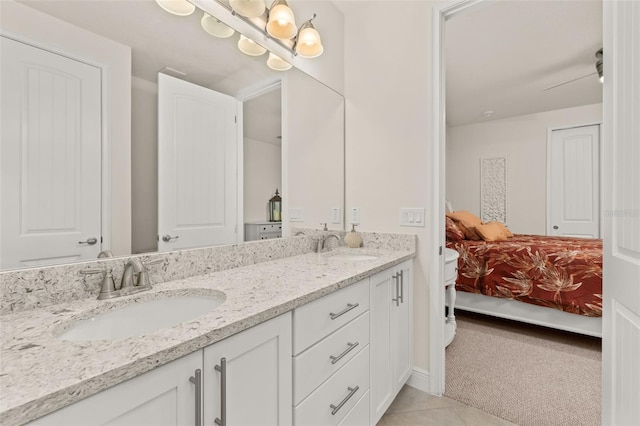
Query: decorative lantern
<point x="275" y="208"/>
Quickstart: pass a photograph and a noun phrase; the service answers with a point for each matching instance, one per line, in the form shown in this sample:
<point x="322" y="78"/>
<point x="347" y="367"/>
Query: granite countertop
<point x="40" y="373"/>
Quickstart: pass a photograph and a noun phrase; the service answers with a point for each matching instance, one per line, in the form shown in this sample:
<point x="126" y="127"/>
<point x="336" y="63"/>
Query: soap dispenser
<point x="353" y="239"/>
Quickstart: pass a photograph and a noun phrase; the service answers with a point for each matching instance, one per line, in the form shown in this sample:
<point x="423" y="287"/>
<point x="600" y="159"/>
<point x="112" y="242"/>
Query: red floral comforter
<point x="558" y="272"/>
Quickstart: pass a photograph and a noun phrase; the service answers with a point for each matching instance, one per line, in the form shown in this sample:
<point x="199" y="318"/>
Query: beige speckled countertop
<point x="41" y="373"/>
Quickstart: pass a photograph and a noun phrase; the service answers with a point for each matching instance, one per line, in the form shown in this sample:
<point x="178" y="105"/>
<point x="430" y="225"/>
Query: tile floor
<point x="413" y="408"/>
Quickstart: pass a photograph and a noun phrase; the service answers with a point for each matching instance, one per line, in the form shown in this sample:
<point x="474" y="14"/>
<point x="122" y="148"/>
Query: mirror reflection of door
<point x="50" y="158"/>
<point x="197" y="166"/>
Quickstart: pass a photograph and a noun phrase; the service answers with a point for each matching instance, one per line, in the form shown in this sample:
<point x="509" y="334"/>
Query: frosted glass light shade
<point x="282" y="21"/>
<point x="215" y="27"/>
<point x="250" y="47"/>
<point x="177" y="7"/>
<point x="308" y="44"/>
<point x="248" y="8"/>
<point x="277" y="63"/>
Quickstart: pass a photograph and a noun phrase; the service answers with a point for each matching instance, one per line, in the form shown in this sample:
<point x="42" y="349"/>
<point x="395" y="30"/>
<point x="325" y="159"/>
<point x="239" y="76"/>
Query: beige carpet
<point x="525" y="374"/>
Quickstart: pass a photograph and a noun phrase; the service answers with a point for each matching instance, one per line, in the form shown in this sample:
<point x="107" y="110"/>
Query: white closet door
<point x="50" y="157"/>
<point x="574" y="182"/>
<point x="621" y="190"/>
<point x="197" y="166"/>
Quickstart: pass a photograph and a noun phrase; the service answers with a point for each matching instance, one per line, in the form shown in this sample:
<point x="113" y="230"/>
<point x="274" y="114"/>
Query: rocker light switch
<point x="412" y="217"/>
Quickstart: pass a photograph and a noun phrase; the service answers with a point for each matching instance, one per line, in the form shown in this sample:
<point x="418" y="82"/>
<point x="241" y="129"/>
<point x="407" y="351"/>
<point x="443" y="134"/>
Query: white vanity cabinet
<point x="391" y="335"/>
<point x="257" y="389"/>
<point x="161" y="397"/>
<point x="247" y="377"/>
<point x="331" y="359"/>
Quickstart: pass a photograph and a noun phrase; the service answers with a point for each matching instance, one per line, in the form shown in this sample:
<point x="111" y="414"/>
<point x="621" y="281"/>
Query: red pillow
<point x="453" y="231"/>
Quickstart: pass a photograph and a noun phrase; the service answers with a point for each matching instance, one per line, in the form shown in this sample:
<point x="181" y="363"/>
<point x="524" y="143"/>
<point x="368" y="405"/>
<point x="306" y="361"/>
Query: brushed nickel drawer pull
<point x="197" y="380"/>
<point x="222" y="368"/>
<point x="396" y="278"/>
<point x="349" y="307"/>
<point x="350" y="347"/>
<point x="401" y="297"/>
<point x="336" y="408"/>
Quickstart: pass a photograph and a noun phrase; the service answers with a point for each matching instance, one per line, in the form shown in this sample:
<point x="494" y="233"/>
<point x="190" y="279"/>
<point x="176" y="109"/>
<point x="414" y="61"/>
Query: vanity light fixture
<point x="215" y="27"/>
<point x="282" y="21"/>
<point x="308" y="43"/>
<point x="248" y="8"/>
<point x="177" y="7"/>
<point x="276" y="63"/>
<point x="250" y="47"/>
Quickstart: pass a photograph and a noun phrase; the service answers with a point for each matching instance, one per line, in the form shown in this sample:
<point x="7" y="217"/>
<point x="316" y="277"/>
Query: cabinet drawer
<point x="270" y="228"/>
<point x="315" y="365"/>
<point x="342" y="391"/>
<point x="359" y="415"/>
<point x="321" y="317"/>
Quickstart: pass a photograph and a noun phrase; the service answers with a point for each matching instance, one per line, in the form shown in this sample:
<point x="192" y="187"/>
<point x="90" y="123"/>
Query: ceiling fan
<point x="597" y="71"/>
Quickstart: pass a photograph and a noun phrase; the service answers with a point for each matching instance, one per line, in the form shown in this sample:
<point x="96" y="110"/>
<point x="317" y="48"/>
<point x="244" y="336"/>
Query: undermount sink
<point x="142" y="317"/>
<point x="352" y="257"/>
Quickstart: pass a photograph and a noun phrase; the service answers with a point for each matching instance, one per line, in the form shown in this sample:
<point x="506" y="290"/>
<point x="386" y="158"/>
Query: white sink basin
<point x="142" y="317"/>
<point x="352" y="257"/>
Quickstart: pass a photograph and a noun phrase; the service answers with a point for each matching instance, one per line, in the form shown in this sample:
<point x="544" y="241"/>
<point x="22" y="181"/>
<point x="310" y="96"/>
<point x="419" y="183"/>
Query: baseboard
<point x="419" y="379"/>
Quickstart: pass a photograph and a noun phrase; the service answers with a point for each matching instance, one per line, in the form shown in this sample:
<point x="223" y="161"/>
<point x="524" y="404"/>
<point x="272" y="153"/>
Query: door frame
<point x="550" y="131"/>
<point x="105" y="160"/>
<point x="441" y="12"/>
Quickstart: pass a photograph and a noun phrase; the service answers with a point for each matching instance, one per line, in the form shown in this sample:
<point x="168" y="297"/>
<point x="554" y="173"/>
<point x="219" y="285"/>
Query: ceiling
<point x="501" y="54"/>
<point x="159" y="39"/>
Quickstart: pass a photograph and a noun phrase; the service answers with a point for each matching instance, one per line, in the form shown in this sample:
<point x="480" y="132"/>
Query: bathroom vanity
<point x="290" y="344"/>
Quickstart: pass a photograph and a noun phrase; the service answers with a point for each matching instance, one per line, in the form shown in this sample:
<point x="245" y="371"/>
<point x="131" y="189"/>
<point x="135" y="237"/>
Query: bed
<point x="550" y="281"/>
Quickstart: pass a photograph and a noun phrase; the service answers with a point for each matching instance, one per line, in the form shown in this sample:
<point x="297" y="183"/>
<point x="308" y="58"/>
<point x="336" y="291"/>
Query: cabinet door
<point x="257" y="366"/>
<point x="161" y="397"/>
<point x="382" y="380"/>
<point x="402" y="326"/>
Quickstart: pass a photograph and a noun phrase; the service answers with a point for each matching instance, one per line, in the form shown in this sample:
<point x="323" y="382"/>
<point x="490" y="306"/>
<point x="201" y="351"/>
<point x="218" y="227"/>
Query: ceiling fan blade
<point x="568" y="81"/>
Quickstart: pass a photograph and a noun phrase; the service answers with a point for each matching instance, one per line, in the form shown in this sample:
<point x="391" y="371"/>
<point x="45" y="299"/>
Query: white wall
<point x="262" y="175"/>
<point x="387" y="79"/>
<point x="523" y="140"/>
<point x="34" y="27"/>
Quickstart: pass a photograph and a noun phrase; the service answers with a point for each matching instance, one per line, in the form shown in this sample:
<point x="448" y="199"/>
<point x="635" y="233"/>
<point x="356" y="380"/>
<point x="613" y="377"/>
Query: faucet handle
<point x="108" y="286"/>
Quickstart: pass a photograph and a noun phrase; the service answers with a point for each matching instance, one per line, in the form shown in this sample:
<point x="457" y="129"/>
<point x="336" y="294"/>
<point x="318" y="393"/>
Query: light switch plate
<point x="295" y="215"/>
<point x="412" y="217"/>
<point x="355" y="215"/>
<point x="335" y="215"/>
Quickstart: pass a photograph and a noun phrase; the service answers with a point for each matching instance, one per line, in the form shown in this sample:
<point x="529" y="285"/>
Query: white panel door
<point x="621" y="190"/>
<point x="258" y="375"/>
<point x="50" y="157"/>
<point x="197" y="166"/>
<point x="574" y="182"/>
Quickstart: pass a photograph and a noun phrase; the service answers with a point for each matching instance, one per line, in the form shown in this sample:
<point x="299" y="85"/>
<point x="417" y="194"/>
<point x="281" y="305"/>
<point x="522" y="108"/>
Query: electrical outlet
<point x="412" y="217"/>
<point x="335" y="215"/>
<point x="355" y="215"/>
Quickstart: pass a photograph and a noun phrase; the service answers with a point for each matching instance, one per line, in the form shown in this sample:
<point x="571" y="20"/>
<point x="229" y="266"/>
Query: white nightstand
<point x="450" y="276"/>
<point x="262" y="230"/>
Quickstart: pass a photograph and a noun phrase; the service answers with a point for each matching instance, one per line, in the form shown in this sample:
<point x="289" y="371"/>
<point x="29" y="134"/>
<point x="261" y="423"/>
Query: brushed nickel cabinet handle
<point x="349" y="307"/>
<point x="396" y="278"/>
<point x="350" y="347"/>
<point x="336" y="408"/>
<point x="401" y="286"/>
<point x="197" y="380"/>
<point x="222" y="368"/>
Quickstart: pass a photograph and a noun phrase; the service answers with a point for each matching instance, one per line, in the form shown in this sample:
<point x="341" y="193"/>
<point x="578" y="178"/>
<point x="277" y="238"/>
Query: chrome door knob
<point x="166" y="238"/>
<point x="555" y="226"/>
